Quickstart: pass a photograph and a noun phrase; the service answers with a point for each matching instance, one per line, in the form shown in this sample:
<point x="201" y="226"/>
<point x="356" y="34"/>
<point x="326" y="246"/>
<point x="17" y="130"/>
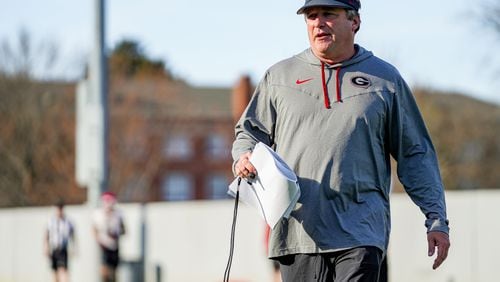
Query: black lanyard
<point x="233" y="229"/>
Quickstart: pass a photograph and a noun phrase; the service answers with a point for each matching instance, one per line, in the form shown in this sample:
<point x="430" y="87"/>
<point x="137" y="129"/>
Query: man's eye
<point x="312" y="16"/>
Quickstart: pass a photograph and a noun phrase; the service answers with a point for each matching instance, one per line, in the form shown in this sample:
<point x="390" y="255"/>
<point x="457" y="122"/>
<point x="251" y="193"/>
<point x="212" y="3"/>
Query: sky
<point x="435" y="44"/>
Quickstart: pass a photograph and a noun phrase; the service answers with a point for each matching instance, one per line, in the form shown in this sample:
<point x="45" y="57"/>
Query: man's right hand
<point x="244" y="168"/>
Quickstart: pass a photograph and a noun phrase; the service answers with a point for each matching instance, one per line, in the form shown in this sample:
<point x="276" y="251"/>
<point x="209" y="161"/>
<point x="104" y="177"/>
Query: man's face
<point x="108" y="204"/>
<point x="60" y="212"/>
<point x="329" y="30"/>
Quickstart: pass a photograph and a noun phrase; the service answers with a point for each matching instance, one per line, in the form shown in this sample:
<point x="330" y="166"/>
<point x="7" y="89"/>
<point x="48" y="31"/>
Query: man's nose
<point x="319" y="21"/>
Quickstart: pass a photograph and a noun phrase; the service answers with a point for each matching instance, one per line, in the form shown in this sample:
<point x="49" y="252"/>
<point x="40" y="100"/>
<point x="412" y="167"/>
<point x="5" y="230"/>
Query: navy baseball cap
<point x="347" y="4"/>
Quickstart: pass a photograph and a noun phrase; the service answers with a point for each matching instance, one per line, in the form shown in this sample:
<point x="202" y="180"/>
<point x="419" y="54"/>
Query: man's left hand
<point x="441" y="241"/>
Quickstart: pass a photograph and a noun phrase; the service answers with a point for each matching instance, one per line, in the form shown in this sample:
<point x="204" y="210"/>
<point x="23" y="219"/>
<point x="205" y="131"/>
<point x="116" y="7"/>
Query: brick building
<point x="172" y="142"/>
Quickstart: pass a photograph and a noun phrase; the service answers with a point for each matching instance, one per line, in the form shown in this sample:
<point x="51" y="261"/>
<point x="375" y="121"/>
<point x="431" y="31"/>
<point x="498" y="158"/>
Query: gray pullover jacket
<point x="336" y="127"/>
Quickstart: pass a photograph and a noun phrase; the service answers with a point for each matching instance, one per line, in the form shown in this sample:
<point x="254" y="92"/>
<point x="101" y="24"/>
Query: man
<point x="108" y="227"/>
<point x="336" y="113"/>
<point x="59" y="234"/>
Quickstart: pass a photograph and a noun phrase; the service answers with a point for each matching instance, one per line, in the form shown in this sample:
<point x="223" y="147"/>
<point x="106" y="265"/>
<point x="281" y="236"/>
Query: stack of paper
<point x="275" y="189"/>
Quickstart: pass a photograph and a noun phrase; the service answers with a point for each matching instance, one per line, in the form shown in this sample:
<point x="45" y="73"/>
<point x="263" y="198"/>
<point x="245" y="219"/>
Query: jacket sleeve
<point x="417" y="165"/>
<point x="257" y="122"/>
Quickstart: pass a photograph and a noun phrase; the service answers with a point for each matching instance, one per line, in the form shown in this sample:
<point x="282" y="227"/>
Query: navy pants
<point x="360" y="264"/>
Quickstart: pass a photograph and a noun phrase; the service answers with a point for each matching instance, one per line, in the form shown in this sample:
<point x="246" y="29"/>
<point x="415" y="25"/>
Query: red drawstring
<point x="338" y="85"/>
<point x="325" y="89"/>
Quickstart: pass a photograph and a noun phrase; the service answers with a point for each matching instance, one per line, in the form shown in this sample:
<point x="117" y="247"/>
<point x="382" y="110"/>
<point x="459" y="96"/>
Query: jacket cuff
<point x="437" y="224"/>
<point x="233" y="167"/>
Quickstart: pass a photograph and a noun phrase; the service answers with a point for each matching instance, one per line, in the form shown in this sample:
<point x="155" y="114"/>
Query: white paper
<point x="274" y="191"/>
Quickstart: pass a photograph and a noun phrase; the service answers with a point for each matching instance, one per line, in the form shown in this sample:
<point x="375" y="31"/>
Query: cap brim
<point x="331" y="4"/>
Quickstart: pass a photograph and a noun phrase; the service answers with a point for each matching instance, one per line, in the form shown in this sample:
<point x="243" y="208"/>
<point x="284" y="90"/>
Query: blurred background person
<point x="108" y="228"/>
<point x="59" y="233"/>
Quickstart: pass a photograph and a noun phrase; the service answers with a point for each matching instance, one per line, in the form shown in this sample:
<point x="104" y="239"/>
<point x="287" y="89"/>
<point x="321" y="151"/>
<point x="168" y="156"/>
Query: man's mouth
<point x="323" y="35"/>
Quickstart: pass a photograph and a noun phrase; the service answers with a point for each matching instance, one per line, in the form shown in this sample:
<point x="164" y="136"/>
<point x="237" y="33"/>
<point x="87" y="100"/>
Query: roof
<point x="161" y="98"/>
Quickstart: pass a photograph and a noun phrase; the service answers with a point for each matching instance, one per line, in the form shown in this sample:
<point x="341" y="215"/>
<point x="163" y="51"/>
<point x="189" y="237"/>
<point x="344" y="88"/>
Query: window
<point x="177" y="186"/>
<point x="216" y="147"/>
<point x="178" y="147"/>
<point x="216" y="187"/>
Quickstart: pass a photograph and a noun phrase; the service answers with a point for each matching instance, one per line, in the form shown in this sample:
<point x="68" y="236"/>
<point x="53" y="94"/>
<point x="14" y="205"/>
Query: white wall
<point x="190" y="241"/>
<point x="475" y="232"/>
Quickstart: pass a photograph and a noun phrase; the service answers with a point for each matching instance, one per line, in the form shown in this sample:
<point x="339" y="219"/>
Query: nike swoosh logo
<point x="298" y="81"/>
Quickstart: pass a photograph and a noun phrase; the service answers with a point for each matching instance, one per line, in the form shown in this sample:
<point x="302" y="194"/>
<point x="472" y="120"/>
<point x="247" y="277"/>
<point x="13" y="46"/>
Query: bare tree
<point x="36" y="136"/>
<point x="491" y="16"/>
<point x="37" y="133"/>
<point x="25" y="58"/>
<point x="137" y="136"/>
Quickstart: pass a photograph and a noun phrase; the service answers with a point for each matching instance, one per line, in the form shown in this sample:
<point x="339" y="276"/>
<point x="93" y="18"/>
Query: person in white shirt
<point x="59" y="234"/>
<point x="108" y="227"/>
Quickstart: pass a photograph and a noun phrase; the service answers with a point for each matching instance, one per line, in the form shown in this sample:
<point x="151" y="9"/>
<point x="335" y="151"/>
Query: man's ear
<point x="356" y="23"/>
